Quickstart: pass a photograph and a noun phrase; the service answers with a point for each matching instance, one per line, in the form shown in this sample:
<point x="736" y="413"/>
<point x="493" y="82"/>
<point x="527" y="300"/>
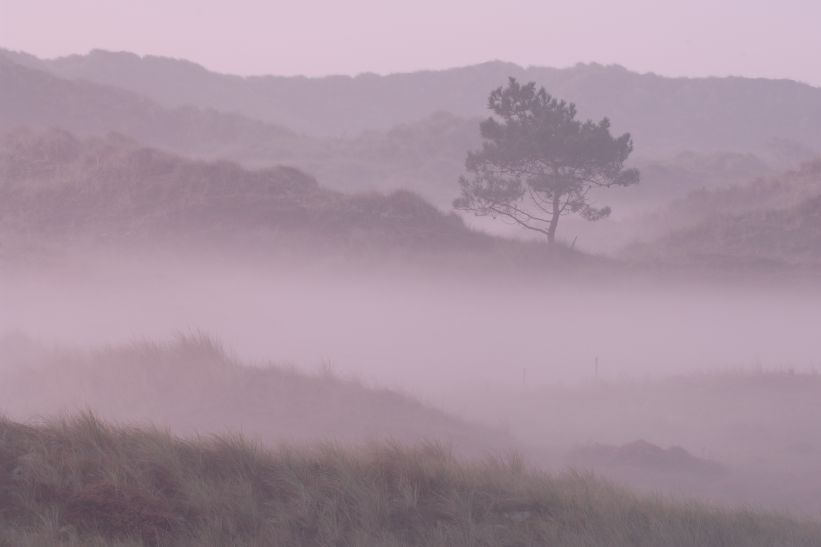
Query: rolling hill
<point x="771" y="220"/>
<point x="424" y="152"/>
<point x="665" y="115"/>
<point x="193" y="387"/>
<point x="425" y="156"/>
<point x="101" y="92"/>
<point x="744" y="436"/>
<point x="54" y="184"/>
<point x="30" y="97"/>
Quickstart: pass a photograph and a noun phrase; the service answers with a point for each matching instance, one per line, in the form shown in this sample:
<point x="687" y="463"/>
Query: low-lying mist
<point x="607" y="370"/>
<point x="432" y="334"/>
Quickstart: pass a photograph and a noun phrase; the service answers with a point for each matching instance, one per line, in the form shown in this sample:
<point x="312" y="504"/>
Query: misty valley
<point x="433" y="308"/>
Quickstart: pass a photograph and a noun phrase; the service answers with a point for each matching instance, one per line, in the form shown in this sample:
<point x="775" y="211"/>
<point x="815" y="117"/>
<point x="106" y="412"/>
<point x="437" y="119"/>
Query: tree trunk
<point x="554" y="221"/>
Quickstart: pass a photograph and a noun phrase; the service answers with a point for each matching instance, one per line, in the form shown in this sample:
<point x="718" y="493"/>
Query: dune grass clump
<point x="83" y="482"/>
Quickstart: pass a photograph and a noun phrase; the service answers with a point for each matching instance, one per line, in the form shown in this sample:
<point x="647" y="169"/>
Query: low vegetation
<point x="193" y="386"/>
<point x="773" y="220"/>
<point x="57" y="185"/>
<point x="82" y="482"/>
<point x="741" y="437"/>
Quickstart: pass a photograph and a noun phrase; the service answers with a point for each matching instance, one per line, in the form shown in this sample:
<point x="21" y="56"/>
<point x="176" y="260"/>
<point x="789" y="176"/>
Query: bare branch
<point x="520" y="222"/>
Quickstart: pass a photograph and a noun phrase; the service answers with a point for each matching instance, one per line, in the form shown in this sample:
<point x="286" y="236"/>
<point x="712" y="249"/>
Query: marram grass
<point x="83" y="482"/>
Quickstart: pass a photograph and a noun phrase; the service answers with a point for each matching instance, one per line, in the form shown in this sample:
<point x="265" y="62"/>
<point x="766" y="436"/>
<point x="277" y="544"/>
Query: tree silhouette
<point x="539" y="163"/>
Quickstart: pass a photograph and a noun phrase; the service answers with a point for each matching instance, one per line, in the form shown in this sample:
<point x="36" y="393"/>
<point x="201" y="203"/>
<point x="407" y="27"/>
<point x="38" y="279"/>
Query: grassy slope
<point x="56" y="184"/>
<point x="84" y="483"/>
<point x="192" y="386"/>
<point x="61" y="194"/>
<point x="770" y="220"/>
<point x="790" y="236"/>
<point x="763" y="426"/>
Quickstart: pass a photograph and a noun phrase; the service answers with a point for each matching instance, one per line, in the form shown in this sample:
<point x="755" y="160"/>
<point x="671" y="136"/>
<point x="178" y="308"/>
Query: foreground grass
<point x="82" y="482"/>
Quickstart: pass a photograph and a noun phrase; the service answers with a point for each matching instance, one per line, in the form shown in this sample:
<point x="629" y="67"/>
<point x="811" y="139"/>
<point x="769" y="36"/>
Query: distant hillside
<point x="774" y="219"/>
<point x="688" y="171"/>
<point x="193" y="386"/>
<point x="428" y="156"/>
<point x="745" y="436"/>
<point x="665" y="115"/>
<point x="425" y="155"/>
<point x="31" y="97"/>
<point x="788" y="236"/>
<point x="777" y="191"/>
<point x="53" y="183"/>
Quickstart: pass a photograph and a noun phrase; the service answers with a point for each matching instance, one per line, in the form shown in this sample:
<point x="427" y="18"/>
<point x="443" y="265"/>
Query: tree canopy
<point x="539" y="163"/>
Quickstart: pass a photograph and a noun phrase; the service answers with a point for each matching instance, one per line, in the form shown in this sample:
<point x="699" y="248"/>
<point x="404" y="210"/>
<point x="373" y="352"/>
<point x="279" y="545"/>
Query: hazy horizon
<point x="555" y="279"/>
<point x="247" y="39"/>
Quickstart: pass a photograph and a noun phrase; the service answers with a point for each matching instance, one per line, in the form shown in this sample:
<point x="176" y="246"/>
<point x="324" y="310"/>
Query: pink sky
<point x="694" y="37"/>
